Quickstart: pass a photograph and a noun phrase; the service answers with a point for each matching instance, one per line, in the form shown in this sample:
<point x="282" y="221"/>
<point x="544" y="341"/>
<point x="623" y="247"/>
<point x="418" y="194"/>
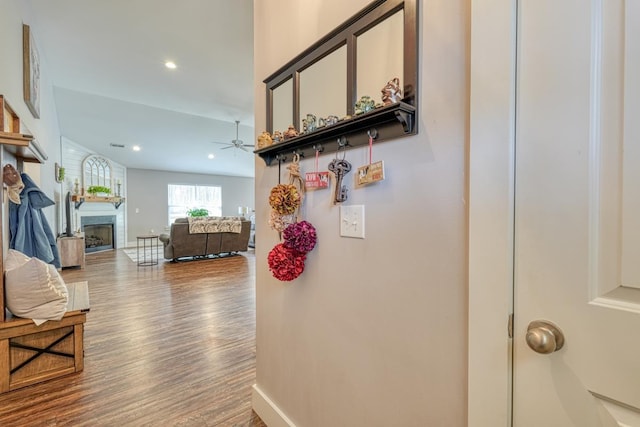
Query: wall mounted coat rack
<point x="391" y="121"/>
<point x="340" y="72"/>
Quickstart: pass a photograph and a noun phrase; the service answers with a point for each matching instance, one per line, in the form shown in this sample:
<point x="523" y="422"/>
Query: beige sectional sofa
<point x="179" y="243"/>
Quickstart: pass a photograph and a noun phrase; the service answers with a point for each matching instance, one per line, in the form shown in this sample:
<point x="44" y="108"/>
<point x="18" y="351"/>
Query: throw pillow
<point x="34" y="289"/>
<point x="14" y="259"/>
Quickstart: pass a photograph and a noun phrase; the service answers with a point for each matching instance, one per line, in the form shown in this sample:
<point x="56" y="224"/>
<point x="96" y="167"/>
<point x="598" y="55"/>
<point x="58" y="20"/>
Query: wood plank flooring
<point x="166" y="345"/>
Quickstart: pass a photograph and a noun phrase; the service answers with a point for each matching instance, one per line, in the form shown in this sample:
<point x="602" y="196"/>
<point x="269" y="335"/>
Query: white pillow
<point x="33" y="288"/>
<point x="14" y="259"/>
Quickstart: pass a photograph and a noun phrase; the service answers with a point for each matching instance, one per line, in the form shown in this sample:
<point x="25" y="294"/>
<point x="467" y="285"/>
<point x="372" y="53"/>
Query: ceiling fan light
<point x="170" y="64"/>
<point x="211" y="156"/>
<point x="235" y="143"/>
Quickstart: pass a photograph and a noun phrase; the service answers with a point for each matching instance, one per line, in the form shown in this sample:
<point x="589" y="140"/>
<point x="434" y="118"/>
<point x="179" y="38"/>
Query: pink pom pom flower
<point x="300" y="236"/>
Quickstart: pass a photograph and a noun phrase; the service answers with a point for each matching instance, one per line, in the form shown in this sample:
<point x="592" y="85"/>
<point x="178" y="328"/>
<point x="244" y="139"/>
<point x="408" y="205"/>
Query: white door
<point x="577" y="213"/>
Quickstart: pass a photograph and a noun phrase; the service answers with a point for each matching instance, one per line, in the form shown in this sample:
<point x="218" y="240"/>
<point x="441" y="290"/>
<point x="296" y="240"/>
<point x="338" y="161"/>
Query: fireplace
<point x="99" y="232"/>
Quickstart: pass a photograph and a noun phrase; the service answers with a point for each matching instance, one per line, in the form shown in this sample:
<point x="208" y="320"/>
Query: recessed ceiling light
<point x="136" y="148"/>
<point x="170" y="64"/>
<point x="210" y="156"/>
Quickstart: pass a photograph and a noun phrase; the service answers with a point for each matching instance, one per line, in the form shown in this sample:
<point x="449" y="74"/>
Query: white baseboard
<point x="267" y="410"/>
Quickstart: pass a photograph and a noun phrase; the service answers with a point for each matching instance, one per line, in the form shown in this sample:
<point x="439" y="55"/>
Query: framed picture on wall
<point x="31" y="72"/>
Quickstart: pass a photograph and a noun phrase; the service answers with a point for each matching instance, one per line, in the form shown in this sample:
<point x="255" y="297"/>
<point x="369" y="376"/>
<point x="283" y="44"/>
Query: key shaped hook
<point x="340" y="168"/>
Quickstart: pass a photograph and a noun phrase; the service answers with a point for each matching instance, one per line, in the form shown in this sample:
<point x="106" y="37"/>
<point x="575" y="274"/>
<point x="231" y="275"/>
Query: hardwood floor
<point x="167" y="345"/>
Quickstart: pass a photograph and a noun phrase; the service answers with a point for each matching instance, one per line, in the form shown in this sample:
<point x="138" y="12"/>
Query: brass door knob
<point x="544" y="337"/>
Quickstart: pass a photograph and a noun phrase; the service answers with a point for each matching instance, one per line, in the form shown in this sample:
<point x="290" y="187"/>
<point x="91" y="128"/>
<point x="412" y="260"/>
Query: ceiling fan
<point x="235" y="143"/>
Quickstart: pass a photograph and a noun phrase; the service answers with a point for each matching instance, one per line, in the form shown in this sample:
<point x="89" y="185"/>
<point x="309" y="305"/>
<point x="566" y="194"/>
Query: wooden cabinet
<point x="71" y="251"/>
<point x="30" y="354"/>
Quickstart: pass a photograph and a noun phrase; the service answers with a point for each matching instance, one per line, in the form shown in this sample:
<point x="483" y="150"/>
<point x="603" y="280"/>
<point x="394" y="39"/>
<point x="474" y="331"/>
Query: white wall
<point x="147" y="197"/>
<point x="374" y="331"/>
<point x="13" y="14"/>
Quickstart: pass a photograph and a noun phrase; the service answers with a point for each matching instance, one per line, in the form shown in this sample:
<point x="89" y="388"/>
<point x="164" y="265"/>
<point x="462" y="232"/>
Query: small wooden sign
<point x="316" y="180"/>
<point x="371" y="173"/>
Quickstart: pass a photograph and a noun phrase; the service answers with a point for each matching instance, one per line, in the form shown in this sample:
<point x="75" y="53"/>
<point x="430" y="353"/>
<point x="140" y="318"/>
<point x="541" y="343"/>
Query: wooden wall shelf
<point x="21" y="145"/>
<point x="114" y="200"/>
<point x="388" y="122"/>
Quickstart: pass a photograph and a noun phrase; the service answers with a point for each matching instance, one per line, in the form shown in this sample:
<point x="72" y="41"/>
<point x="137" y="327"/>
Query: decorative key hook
<point x="340" y="168"/>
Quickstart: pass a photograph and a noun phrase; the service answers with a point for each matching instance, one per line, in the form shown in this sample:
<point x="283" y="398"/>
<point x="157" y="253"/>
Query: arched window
<point x="97" y="171"/>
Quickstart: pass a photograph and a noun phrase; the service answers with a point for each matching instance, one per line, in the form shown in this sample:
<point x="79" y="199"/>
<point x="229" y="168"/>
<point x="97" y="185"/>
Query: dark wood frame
<point x="386" y="123"/>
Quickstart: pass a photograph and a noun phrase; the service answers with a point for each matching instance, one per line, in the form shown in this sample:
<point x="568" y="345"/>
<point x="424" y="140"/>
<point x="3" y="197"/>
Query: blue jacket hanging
<point x="28" y="228"/>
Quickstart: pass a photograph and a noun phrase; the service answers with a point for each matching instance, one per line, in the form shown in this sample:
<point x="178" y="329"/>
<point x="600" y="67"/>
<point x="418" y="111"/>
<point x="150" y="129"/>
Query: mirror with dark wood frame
<point x="379" y="56"/>
<point x="356" y="59"/>
<point x="322" y="87"/>
<point x="282" y="108"/>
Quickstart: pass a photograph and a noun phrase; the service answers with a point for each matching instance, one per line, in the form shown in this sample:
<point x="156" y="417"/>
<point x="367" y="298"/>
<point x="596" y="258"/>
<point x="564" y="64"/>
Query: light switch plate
<point x="352" y="221"/>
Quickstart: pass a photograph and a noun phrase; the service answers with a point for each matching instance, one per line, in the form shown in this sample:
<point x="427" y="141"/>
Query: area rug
<point x="132" y="253"/>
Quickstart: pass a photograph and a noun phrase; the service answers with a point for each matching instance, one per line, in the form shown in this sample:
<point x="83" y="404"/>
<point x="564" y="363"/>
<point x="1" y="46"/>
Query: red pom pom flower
<point x="285" y="264"/>
<point x="300" y="236"/>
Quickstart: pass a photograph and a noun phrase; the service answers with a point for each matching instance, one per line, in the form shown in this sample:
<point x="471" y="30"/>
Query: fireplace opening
<point x="98" y="237"/>
<point x="99" y="233"/>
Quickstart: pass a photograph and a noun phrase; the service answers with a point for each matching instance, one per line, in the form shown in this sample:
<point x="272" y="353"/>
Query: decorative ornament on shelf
<point x="264" y="140"/>
<point x="364" y="105"/>
<point x="331" y="120"/>
<point x="290" y="133"/>
<point x="391" y="92"/>
<point x="309" y="124"/>
<point x="277" y="137"/>
<point x="99" y="190"/>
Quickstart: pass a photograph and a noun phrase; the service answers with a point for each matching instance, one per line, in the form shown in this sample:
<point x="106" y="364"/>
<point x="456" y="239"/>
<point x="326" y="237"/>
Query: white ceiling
<point x="106" y="60"/>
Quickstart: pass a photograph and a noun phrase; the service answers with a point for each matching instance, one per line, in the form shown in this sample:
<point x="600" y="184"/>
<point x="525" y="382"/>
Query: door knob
<point x="544" y="337"/>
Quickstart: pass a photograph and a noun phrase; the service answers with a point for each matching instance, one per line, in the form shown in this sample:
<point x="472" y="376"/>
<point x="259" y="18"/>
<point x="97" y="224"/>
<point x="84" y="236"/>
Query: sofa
<point x="180" y="243"/>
